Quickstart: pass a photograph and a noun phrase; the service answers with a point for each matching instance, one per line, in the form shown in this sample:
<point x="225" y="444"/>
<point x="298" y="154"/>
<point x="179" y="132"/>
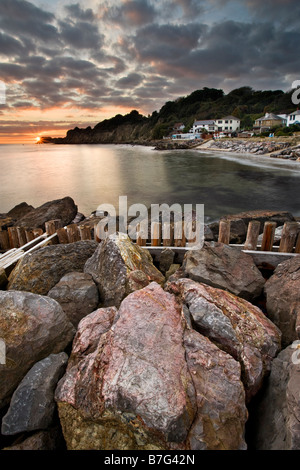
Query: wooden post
<point x="96" y="238"/>
<point x="37" y="232"/>
<point x="73" y="233"/>
<point x="168" y="228"/>
<point x="13" y="237"/>
<point x="297" y="247"/>
<point x="188" y="233"/>
<point x="224" y="232"/>
<point x="252" y="235"/>
<point x="268" y="236"/>
<point x="140" y="236"/>
<point x="21" y="236"/>
<point x="179" y="235"/>
<point x="4" y="240"/>
<point x="62" y="235"/>
<point x="288" y="238"/>
<point x="85" y="232"/>
<point x="155" y="234"/>
<point x="29" y="235"/>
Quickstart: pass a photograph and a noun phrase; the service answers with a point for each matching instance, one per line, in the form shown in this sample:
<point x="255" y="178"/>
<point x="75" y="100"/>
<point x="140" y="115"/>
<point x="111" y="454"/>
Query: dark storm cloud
<point x="131" y="13"/>
<point x="279" y="11"/>
<point x="132" y="80"/>
<point x="80" y="35"/>
<point x="10" y="46"/>
<point x="76" y="11"/>
<point x="22" y="18"/>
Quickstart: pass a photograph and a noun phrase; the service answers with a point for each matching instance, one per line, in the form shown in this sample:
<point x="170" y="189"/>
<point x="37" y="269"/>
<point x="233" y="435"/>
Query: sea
<point x="100" y="174"/>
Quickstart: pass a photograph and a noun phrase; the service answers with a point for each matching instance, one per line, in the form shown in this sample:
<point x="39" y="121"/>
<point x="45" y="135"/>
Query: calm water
<point x="98" y="174"/>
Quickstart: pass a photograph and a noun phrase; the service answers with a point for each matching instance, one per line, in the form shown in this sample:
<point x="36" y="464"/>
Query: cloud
<point x="22" y="18"/>
<point x="131" y="13"/>
<point x="9" y="46"/>
<point x="130" y="81"/>
<point x="80" y="35"/>
<point x="77" y="12"/>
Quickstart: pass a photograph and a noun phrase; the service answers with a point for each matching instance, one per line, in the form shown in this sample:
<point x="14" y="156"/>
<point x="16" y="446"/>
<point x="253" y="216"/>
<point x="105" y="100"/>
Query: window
<point x="230" y="122"/>
<point x="220" y="122"/>
<point x="226" y="122"/>
<point x="226" y="128"/>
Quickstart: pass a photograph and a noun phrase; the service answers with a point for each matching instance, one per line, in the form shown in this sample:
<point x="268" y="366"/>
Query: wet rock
<point x="224" y="267"/>
<point x="77" y="294"/>
<point x="236" y="326"/>
<point x="277" y="416"/>
<point x="32" y="405"/>
<point x="114" y="267"/>
<point x="63" y="209"/>
<point x="282" y="299"/>
<point x="41" y="270"/>
<point x="33" y="327"/>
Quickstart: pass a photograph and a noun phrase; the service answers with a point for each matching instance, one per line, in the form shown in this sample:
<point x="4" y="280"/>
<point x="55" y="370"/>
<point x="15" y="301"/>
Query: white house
<point x="208" y="125"/>
<point x="228" y="124"/>
<point x="293" y="118"/>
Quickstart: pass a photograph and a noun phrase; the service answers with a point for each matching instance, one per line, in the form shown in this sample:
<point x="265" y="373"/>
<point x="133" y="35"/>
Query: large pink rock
<point x="138" y="385"/>
<point x="235" y="325"/>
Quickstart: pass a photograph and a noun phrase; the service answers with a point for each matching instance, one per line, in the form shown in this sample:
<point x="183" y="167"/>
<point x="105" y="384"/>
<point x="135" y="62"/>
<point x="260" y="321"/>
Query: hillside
<point x="208" y="103"/>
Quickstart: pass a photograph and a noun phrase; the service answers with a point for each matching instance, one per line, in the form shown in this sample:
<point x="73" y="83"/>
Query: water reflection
<point x="97" y="174"/>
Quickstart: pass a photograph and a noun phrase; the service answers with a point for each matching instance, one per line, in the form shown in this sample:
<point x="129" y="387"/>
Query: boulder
<point x="63" y="209"/>
<point x="32" y="405"/>
<point x="40" y="271"/>
<point x="121" y="391"/>
<point x="51" y="439"/>
<point x="166" y="258"/>
<point x="20" y="211"/>
<point x="32" y="327"/>
<point x="236" y="326"/>
<point x="114" y="267"/>
<point x="282" y="299"/>
<point x="77" y="294"/>
<point x="277" y="415"/>
<point x="224" y="267"/>
<point x="222" y="414"/>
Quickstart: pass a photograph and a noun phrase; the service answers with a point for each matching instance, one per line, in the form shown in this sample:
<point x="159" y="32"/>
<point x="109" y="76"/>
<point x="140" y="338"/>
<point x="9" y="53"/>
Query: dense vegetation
<point x="208" y="103"/>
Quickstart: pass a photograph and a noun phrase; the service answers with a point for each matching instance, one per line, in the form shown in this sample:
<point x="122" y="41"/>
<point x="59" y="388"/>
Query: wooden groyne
<point x="15" y="242"/>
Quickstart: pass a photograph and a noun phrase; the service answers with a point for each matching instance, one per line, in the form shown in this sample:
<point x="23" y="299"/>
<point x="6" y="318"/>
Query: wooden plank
<point x="62" y="235"/>
<point x="179" y="235"/>
<point x="4" y="240"/>
<point x="224" y="232"/>
<point x="268" y="236"/>
<point x="29" y="235"/>
<point x="37" y="232"/>
<point x="155" y="234"/>
<point x="13" y="237"/>
<point x="85" y="232"/>
<point x="252" y="235"/>
<point x="73" y="233"/>
<point x="288" y="238"/>
<point x="141" y="237"/>
<point x="21" y="236"/>
<point x="167" y="234"/>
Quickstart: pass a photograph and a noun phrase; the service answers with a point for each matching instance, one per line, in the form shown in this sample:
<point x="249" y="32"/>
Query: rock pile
<point x="255" y="147"/>
<point x="107" y="350"/>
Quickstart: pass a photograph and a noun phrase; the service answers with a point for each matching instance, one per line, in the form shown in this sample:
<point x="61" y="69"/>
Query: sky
<point x="74" y="63"/>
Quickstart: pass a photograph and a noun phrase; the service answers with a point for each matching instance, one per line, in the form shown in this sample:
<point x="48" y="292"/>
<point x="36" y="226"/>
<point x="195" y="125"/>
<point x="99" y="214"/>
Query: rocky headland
<point x="109" y="348"/>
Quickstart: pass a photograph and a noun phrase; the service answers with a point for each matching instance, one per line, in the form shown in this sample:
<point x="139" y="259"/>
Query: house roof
<point x="203" y="123"/>
<point x="270" y="117"/>
<point x="228" y="118"/>
<point x="295" y="112"/>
